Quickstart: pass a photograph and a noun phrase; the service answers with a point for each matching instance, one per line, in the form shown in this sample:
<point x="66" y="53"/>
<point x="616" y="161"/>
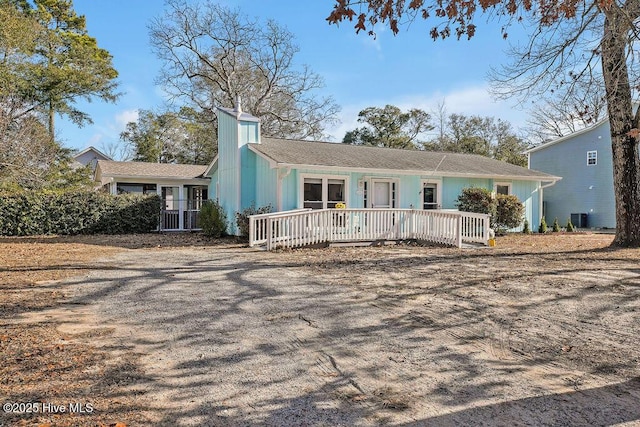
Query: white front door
<point x="383" y="194"/>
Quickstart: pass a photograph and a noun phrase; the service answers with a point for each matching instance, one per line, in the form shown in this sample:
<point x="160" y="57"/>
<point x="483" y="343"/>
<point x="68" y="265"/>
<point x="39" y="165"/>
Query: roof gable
<point x="568" y="137"/>
<point x="284" y="152"/>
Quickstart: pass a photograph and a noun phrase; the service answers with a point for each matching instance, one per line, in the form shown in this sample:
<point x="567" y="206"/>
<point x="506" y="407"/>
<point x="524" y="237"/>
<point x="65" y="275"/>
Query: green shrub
<point x="570" y="227"/>
<point x="77" y="212"/>
<point x="242" y="218"/>
<point x="476" y="200"/>
<point x="213" y="219"/>
<point x="543" y="226"/>
<point x="525" y="228"/>
<point x="506" y="211"/>
<point x="555" y="227"/>
<point x="509" y="212"/>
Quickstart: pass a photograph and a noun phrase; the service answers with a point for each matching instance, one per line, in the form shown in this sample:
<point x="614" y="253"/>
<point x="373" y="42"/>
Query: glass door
<point x="430" y="196"/>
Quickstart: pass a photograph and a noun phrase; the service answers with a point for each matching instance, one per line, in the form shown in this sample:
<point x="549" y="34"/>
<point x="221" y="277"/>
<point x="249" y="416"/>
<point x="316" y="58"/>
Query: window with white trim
<point x="323" y="192"/>
<point x="592" y="158"/>
<point x="502" y="188"/>
<point x="430" y="196"/>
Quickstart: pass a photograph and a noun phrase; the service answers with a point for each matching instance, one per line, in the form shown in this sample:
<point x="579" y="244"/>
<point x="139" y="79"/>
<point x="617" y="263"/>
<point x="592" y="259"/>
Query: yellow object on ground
<point x="492" y="242"/>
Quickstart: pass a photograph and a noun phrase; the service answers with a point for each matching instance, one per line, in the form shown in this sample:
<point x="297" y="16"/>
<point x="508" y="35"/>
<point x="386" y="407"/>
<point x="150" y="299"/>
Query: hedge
<point x="78" y="212"/>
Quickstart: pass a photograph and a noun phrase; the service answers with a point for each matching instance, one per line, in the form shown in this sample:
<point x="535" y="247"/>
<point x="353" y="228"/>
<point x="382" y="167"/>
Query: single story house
<point x="182" y="188"/>
<point x="584" y="160"/>
<point x="291" y="174"/>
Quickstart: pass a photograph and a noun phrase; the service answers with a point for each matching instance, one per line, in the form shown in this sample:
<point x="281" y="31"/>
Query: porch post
<point x="181" y="205"/>
<point x="269" y="233"/>
<point x="459" y="231"/>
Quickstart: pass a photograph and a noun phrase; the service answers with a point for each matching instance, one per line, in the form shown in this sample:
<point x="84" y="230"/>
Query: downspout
<point x="541" y="191"/>
<point x="281" y="176"/>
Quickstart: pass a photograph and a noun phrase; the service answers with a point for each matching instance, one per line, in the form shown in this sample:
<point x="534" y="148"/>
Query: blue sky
<point x="408" y="70"/>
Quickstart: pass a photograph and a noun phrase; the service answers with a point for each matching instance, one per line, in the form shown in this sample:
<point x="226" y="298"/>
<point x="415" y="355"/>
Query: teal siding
<point x="264" y="183"/>
<point x="228" y="162"/>
<point x="213" y="186"/>
<point x="236" y="165"/>
<point x="452" y="188"/>
<point x="248" y="178"/>
<point x="290" y="191"/>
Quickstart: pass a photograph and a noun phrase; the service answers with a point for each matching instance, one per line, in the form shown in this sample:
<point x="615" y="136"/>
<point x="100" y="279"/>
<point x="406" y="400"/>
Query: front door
<point x="384" y="194"/>
<point x="430" y="196"/>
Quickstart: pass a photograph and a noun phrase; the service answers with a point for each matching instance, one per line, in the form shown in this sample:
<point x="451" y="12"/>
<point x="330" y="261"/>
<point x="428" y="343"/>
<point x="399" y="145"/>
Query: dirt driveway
<point x="538" y="331"/>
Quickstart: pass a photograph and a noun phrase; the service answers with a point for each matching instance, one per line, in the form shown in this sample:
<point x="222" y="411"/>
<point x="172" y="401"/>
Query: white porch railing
<point x="304" y="227"/>
<point x="185" y="215"/>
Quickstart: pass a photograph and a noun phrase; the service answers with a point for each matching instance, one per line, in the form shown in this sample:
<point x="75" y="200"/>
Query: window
<point x="319" y="193"/>
<point x="335" y="192"/>
<point x="313" y="193"/>
<point x="592" y="158"/>
<point x="195" y="197"/>
<point x="126" y="188"/>
<point x="502" y="188"/>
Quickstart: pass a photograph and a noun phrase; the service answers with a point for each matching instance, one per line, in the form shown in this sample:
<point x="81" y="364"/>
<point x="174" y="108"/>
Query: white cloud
<point x="122" y="118"/>
<point x="471" y="100"/>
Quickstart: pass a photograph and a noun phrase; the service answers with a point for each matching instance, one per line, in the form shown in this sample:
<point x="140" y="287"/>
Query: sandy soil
<point x="541" y="330"/>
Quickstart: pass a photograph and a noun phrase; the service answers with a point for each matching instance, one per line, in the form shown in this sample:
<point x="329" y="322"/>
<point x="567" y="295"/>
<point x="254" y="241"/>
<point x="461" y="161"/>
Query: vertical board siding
<point x="452" y="188"/>
<point x="248" y="177"/>
<point x="227" y="166"/>
<point x="583" y="188"/>
<point x="265" y="182"/>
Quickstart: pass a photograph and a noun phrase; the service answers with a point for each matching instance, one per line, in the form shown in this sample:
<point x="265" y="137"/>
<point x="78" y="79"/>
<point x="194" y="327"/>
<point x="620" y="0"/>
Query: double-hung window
<point x="323" y="192"/>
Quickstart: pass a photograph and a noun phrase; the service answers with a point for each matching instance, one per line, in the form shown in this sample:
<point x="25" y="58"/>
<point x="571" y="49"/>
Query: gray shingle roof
<point x="295" y="152"/>
<point x="150" y="170"/>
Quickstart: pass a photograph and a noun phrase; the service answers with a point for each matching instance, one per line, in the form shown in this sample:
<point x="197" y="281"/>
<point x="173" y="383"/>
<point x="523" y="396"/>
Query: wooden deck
<point x="304" y="227"/>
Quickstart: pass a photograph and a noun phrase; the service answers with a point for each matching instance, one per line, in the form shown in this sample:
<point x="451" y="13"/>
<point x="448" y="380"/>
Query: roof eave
<point x="131" y="176"/>
<point x="413" y="172"/>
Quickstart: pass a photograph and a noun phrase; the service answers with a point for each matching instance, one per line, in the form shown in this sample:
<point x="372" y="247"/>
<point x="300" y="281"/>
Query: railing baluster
<point x="306" y="226"/>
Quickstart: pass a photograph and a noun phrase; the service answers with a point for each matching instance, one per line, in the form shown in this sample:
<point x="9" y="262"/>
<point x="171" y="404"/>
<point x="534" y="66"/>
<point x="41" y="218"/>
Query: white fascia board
<point x="154" y="179"/>
<point x="211" y="166"/>
<point x="272" y="163"/>
<point x="413" y="172"/>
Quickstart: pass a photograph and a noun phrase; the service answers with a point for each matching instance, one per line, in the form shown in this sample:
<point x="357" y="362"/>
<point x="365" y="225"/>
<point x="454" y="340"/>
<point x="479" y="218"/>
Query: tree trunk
<point x="626" y="162"/>
<point x="51" y="114"/>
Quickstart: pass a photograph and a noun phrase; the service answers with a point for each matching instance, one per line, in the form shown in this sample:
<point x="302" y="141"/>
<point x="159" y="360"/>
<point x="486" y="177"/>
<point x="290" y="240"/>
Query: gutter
<point x="541" y="197"/>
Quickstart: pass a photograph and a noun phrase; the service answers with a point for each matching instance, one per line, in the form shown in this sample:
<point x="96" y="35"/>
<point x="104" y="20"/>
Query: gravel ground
<point x="400" y="336"/>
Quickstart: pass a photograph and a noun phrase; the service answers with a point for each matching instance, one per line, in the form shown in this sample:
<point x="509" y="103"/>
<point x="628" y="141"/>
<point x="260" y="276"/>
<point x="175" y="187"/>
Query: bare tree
<point x="557" y="116"/>
<point x="212" y="54"/>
